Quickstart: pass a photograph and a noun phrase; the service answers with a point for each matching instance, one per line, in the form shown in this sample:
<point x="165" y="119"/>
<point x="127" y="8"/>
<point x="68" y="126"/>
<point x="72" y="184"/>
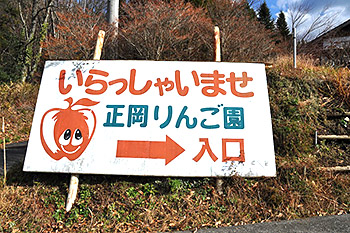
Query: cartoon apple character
<point x="72" y="129"/>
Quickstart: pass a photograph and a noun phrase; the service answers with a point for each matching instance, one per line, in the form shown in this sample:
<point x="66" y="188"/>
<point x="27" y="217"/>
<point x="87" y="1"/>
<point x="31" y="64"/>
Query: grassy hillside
<point x="301" y="101"/>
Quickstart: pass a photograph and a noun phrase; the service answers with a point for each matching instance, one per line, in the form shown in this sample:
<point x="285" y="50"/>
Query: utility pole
<point x="113" y="12"/>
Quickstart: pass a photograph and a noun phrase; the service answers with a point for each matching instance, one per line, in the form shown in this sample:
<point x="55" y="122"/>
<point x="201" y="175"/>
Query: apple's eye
<point x="78" y="138"/>
<point x="65" y="137"/>
<point x="77" y="134"/>
<point x="67" y="134"/>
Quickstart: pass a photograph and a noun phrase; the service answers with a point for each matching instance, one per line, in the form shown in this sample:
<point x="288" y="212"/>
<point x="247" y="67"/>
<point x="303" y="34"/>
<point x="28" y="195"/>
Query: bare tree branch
<point x="299" y="13"/>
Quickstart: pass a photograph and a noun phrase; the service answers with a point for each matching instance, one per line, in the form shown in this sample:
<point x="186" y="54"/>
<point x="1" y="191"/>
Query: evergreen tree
<point x="10" y="42"/>
<point x="250" y="10"/>
<point x="282" y="25"/>
<point x="264" y="16"/>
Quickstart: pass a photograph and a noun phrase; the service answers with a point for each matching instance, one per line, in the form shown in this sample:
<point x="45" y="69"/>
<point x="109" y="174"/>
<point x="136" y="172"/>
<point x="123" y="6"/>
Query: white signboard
<point x="152" y="118"/>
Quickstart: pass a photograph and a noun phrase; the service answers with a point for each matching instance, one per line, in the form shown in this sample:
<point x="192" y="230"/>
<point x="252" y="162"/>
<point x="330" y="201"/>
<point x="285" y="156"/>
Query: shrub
<point x="75" y="35"/>
<point x="159" y="30"/>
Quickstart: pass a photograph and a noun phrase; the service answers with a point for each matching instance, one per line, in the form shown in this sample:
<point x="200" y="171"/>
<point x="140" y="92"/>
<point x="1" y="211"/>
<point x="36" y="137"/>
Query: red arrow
<point x="167" y="150"/>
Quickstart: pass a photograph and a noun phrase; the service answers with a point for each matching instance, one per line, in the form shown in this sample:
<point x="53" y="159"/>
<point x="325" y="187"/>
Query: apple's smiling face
<point x="71" y="132"/>
<point x="70" y="142"/>
<point x="72" y="129"/>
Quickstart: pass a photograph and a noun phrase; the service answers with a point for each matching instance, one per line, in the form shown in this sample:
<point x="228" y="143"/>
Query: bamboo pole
<point x="74" y="179"/>
<point x="4" y="148"/>
<point x="219" y="181"/>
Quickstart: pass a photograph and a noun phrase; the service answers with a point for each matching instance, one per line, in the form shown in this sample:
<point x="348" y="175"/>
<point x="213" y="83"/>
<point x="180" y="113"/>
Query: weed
<point x="58" y="214"/>
<point x="132" y="192"/>
<point x="149" y="189"/>
<point x="82" y="207"/>
<point x="176" y="185"/>
<point x="7" y="140"/>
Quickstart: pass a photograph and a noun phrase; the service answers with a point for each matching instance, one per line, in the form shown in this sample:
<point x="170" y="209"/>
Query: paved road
<point x="14" y="154"/>
<point x="329" y="224"/>
<point x="337" y="224"/>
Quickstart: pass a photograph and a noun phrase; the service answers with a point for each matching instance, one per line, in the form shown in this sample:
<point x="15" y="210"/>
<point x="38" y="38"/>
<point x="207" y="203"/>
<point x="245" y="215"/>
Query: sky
<point x="339" y="10"/>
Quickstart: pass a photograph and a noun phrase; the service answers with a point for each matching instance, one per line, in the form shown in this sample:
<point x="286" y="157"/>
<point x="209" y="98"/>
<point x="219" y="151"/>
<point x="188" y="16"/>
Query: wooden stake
<point x="217" y="46"/>
<point x="74" y="179"/>
<point x="99" y="45"/>
<point x="219" y="183"/>
<point x="4" y="142"/>
<point x="73" y="190"/>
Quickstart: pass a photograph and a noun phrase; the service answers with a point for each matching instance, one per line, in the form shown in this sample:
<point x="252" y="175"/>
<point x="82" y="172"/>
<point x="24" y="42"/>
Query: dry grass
<point x="307" y="68"/>
<point x="130" y="204"/>
<point x="17" y="104"/>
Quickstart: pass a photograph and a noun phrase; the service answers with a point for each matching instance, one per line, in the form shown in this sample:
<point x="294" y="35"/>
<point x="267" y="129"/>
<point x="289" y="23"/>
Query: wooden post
<point x="99" y="45"/>
<point x="217" y="44"/>
<point x="73" y="190"/>
<point x="74" y="179"/>
<point x="334" y="137"/>
<point x="344" y="114"/>
<point x="219" y="181"/>
<point x="294" y="47"/>
<point x="336" y="169"/>
<point x="4" y="143"/>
